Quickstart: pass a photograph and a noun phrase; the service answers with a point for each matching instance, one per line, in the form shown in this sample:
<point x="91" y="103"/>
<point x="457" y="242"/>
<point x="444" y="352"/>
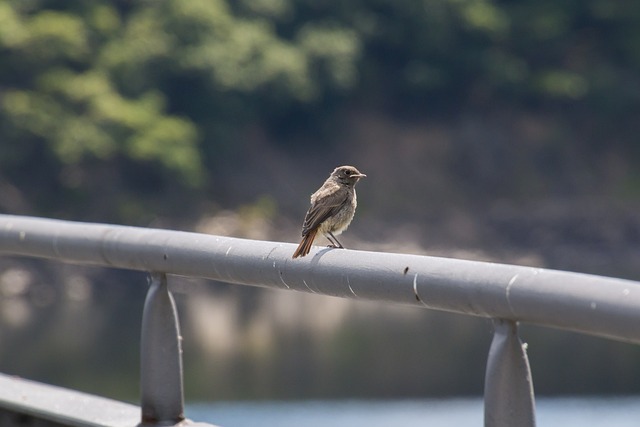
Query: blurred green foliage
<point x="167" y="86"/>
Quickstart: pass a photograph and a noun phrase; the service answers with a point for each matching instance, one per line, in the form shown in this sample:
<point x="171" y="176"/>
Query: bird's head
<point x="347" y="175"/>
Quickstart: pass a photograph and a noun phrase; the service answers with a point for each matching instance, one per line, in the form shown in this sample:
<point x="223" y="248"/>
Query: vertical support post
<point x="161" y="386"/>
<point x="508" y="391"/>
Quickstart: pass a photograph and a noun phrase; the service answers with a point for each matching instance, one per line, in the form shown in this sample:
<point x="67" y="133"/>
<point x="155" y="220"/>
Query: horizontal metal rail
<point x="584" y="303"/>
<point x="23" y="399"/>
<point x="508" y="294"/>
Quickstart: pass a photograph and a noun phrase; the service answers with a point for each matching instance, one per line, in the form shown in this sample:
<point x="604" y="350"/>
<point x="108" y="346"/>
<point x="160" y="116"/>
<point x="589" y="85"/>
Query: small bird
<point x="332" y="209"/>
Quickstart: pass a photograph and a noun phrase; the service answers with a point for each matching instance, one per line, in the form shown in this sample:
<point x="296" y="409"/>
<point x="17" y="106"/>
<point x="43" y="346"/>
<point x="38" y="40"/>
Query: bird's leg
<point x="334" y="242"/>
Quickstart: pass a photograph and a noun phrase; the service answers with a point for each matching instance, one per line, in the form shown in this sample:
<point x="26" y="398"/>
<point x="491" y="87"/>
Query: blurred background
<point x="501" y="131"/>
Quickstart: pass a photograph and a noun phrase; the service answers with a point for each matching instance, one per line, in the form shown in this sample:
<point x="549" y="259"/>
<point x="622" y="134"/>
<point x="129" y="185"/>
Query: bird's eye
<point x="348" y="172"/>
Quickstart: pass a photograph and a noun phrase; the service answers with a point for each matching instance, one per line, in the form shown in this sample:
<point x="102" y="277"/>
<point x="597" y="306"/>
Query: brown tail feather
<point x="305" y="245"/>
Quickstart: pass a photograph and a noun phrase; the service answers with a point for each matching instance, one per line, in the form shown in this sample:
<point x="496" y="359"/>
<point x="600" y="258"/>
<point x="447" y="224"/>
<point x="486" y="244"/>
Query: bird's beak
<point x="360" y="175"/>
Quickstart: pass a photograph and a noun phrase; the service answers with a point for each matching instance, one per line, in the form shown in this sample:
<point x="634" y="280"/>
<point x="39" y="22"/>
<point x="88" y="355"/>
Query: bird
<point x="332" y="209"/>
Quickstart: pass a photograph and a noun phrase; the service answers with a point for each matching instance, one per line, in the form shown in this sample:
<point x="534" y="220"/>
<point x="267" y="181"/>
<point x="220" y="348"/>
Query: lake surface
<point x="551" y="412"/>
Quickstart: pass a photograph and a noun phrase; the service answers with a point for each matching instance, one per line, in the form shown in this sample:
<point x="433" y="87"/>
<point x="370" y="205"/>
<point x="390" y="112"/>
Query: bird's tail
<point x="305" y="245"/>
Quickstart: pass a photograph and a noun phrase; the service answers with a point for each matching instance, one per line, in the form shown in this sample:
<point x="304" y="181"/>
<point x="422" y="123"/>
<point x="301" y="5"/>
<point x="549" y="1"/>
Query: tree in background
<point x="93" y="92"/>
<point x="105" y="104"/>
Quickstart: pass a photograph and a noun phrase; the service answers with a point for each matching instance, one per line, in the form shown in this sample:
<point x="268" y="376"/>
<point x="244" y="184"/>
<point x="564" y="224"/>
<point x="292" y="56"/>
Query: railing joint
<point x="508" y="396"/>
<point x="161" y="376"/>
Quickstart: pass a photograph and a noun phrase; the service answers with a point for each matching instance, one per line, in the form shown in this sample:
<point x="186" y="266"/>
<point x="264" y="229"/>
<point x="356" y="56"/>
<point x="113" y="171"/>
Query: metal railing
<point x="508" y="294"/>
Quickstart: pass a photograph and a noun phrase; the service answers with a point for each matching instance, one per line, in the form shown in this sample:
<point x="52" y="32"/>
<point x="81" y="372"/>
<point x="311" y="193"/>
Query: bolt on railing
<point x="508" y="294"/>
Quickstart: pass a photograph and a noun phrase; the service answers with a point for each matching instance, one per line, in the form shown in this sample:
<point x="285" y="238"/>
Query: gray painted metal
<point x="589" y="304"/>
<point x="584" y="303"/>
<point x="24" y="402"/>
<point x="23" y="398"/>
<point x="508" y="387"/>
<point x="161" y="357"/>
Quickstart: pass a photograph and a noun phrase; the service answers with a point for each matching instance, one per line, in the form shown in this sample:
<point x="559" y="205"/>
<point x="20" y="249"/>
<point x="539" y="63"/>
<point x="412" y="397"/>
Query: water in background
<point x="551" y="412"/>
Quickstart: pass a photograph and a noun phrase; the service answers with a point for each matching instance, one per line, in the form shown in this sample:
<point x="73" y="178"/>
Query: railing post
<point x="161" y="397"/>
<point x="508" y="391"/>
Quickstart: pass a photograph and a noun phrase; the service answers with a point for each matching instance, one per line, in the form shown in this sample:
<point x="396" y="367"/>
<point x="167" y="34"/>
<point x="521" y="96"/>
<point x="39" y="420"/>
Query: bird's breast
<point x="339" y="222"/>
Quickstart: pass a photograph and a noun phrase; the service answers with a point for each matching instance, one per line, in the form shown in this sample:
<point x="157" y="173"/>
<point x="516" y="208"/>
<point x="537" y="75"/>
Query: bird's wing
<point x="322" y="209"/>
